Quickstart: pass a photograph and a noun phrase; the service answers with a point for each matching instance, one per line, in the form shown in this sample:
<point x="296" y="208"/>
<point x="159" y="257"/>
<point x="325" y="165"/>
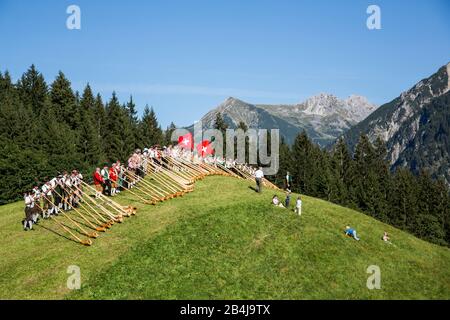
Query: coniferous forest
<point x="362" y="181"/>
<point x="47" y="128"/>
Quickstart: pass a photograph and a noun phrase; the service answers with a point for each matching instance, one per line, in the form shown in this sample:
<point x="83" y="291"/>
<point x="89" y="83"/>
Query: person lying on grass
<point x="351" y="233"/>
<point x="277" y="202"/>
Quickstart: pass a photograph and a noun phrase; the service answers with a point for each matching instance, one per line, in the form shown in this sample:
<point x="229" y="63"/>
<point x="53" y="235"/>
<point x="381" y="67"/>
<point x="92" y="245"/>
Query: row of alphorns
<point x="91" y="215"/>
<point x="164" y="179"/>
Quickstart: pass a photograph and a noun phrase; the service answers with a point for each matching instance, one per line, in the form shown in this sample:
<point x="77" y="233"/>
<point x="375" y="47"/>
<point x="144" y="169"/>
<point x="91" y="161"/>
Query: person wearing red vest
<point x="98" y="182"/>
<point x="113" y="177"/>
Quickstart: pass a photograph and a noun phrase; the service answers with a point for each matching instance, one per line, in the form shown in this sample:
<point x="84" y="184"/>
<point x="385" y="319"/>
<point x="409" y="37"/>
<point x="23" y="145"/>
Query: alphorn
<point x="117" y="218"/>
<point x="102" y="229"/>
<point x="86" y="242"/>
<point x="65" y="215"/>
<point x="149" y="188"/>
<point x="146" y="201"/>
<point x="107" y="223"/>
<point x="163" y="185"/>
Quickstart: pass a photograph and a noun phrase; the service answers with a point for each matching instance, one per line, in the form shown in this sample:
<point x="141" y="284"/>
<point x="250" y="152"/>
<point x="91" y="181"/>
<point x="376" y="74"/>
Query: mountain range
<point x="415" y="126"/>
<point x="324" y="117"/>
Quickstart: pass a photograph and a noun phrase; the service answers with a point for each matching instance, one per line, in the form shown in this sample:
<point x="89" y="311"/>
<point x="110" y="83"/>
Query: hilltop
<point x="223" y="241"/>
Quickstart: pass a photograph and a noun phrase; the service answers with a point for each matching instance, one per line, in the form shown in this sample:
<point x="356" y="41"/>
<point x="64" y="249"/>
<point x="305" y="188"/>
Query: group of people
<point x="259" y="175"/>
<point x="65" y="191"/>
<point x="60" y="193"/>
<point x="111" y="180"/>
<point x="298" y="203"/>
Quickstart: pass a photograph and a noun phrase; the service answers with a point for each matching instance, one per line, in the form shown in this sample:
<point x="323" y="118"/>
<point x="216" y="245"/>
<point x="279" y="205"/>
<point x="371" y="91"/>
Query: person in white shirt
<point x="29" y="211"/>
<point x="33" y="203"/>
<point x="48" y="199"/>
<point x="259" y="175"/>
<point x="67" y="200"/>
<point x="298" y="206"/>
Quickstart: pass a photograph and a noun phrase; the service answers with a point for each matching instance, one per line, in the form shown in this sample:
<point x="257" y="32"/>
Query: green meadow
<point x="222" y="241"/>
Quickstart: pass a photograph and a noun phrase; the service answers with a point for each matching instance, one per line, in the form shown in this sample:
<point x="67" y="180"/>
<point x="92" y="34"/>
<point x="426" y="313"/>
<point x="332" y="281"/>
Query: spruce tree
<point x="33" y="90"/>
<point x="89" y="142"/>
<point x="64" y="102"/>
<point x="220" y="124"/>
<point x="150" y="132"/>
<point x="114" y="127"/>
<point x="133" y="121"/>
<point x="168" y="134"/>
<point x="340" y="166"/>
<point x="302" y="168"/>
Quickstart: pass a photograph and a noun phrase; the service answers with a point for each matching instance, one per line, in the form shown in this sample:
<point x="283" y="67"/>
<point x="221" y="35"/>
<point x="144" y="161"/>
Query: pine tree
<point x="302" y="168"/>
<point x="114" y="130"/>
<point x="403" y="200"/>
<point x="340" y="166"/>
<point x="220" y="124"/>
<point x="381" y="187"/>
<point x="242" y="125"/>
<point x="363" y="184"/>
<point x="89" y="145"/>
<point x="133" y="121"/>
<point x="150" y="131"/>
<point x="100" y="119"/>
<point x="33" y="90"/>
<point x="168" y="134"/>
<point x="64" y="101"/>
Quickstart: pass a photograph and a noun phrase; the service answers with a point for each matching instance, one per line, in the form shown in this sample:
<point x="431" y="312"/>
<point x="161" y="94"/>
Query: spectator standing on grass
<point x="288" y="181"/>
<point x="259" y="176"/>
<point x="298" y="206"/>
<point x="287" y="202"/>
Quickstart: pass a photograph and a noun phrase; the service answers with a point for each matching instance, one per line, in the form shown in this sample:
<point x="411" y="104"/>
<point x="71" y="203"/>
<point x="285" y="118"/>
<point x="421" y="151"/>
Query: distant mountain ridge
<point x="415" y="126"/>
<point x="324" y="117"/>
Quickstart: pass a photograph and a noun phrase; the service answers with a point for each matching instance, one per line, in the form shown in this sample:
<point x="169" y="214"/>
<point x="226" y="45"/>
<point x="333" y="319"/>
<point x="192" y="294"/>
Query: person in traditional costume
<point x="106" y="180"/>
<point x="47" y="199"/>
<point x="98" y="183"/>
<point x="113" y="176"/>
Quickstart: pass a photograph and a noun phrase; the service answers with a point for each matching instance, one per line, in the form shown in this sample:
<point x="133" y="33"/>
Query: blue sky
<point x="185" y="57"/>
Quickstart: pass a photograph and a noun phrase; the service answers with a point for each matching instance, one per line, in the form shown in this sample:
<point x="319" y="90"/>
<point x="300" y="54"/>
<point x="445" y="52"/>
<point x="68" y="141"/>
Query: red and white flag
<point x="185" y="141"/>
<point x="204" y="148"/>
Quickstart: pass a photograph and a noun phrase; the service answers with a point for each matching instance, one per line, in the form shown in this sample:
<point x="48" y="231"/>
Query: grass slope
<point x="222" y="241"/>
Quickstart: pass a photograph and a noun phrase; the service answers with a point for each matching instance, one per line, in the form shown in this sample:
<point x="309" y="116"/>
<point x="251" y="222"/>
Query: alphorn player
<point x="98" y="183"/>
<point x="48" y="199"/>
<point x="113" y="176"/>
<point x="30" y="211"/>
<point x="106" y="181"/>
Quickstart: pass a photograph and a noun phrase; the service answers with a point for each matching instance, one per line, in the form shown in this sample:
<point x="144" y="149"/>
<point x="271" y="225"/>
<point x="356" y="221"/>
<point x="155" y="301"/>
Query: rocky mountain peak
<point x="321" y="104"/>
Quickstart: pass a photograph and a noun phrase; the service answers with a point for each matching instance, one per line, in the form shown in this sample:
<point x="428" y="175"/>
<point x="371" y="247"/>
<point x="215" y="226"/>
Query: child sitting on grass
<point x="386" y="238"/>
<point x="276" y="202"/>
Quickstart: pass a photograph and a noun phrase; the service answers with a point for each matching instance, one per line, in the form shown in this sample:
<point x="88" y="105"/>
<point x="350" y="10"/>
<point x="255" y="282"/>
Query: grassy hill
<point x="222" y="241"/>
